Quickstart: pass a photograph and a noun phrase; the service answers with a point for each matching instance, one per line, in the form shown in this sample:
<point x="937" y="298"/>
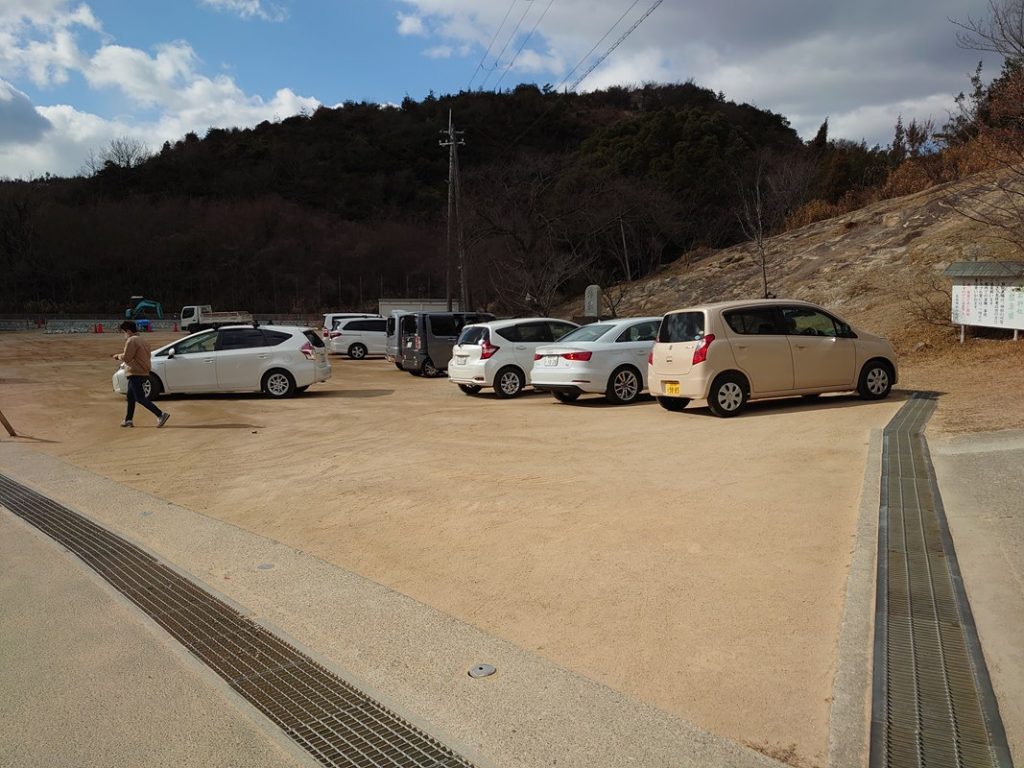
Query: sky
<point x="76" y="75"/>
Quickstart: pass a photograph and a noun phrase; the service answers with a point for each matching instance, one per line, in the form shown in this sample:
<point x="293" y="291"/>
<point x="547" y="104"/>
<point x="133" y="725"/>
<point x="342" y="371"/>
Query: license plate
<point x="550" y="360"/>
<point x="461" y="359"/>
<point x="671" y="387"/>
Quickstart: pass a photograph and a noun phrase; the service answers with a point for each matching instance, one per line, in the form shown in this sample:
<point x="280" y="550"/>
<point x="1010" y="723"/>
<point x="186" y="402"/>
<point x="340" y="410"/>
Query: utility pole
<point x="453" y="141"/>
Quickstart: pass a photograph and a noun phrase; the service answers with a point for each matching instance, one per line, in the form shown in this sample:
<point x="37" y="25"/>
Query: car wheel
<point x="416" y="373"/>
<point x="509" y="382"/>
<point x="278" y="384"/>
<point x="673" y="403"/>
<point x="357" y="351"/>
<point x="151" y="387"/>
<point x="399" y="366"/>
<point x="624" y="386"/>
<point x="566" y="397"/>
<point x="429" y="370"/>
<point x="728" y="395"/>
<point x="302" y="389"/>
<point x="469" y="389"/>
<point x="875" y="380"/>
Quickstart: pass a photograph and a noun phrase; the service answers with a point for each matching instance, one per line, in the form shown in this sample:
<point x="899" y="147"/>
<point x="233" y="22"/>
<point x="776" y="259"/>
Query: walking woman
<point x="137" y="363"/>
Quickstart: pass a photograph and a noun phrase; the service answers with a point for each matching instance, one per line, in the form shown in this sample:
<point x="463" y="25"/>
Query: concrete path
<point x="408" y="656"/>
<point x="981" y="478"/>
<point x="87" y="680"/>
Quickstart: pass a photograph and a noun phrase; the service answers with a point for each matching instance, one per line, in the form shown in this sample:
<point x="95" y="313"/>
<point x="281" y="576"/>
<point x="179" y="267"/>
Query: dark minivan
<point x="428" y="339"/>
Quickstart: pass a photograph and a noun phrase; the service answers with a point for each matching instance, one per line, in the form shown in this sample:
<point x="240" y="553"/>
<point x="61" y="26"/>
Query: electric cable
<point x="490" y="44"/>
<point x="521" y="47"/>
<point x="511" y="37"/>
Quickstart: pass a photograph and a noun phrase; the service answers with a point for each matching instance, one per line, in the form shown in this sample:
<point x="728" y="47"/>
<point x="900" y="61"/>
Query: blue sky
<point x="76" y="74"/>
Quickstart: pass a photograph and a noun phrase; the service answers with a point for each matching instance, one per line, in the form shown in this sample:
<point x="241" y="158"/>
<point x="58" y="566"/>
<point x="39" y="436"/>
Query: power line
<point x="490" y="44"/>
<point x="605" y="35"/>
<point x="615" y="45"/>
<point x="511" y="37"/>
<point x="525" y="40"/>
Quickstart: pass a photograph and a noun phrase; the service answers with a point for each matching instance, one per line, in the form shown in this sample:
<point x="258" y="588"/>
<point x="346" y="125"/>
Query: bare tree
<point x="1002" y="32"/>
<point x="995" y="127"/>
<point x="772" y="187"/>
<point x="124" y="152"/>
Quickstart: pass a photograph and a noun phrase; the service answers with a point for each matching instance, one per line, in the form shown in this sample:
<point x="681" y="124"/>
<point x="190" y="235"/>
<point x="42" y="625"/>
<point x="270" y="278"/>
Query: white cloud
<point x="167" y="84"/>
<point x="249" y="9"/>
<point x="410" y="25"/>
<point x="804" y="59"/>
<point x="439" y="52"/>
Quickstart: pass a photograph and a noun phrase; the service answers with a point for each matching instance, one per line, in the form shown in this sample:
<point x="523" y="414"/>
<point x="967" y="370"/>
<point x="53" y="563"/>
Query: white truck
<point x="200" y="317"/>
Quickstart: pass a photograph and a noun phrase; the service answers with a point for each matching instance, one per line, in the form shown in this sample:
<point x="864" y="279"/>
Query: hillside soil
<point x="695" y="563"/>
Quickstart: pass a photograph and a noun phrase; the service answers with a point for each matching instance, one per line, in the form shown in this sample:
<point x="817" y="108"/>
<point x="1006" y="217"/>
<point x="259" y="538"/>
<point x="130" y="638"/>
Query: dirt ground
<point x="695" y="563"/>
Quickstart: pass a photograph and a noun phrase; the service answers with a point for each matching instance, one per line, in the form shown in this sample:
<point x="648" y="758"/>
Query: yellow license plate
<point x="671" y="387"/>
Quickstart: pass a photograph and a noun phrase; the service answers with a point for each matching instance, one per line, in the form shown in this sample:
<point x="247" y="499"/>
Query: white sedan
<point x="607" y="357"/>
<point x="278" y="360"/>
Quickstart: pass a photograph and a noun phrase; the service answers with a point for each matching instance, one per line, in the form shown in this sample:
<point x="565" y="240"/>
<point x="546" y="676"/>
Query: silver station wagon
<point x="732" y="352"/>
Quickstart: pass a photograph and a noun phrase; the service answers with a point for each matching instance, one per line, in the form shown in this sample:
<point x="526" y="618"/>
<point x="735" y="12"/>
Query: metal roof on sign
<point x="985" y="269"/>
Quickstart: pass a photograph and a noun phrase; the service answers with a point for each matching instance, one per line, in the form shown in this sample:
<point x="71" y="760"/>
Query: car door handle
<point x="520" y="346"/>
<point x="741" y="346"/>
<point x="262" y="357"/>
<point x="208" y="360"/>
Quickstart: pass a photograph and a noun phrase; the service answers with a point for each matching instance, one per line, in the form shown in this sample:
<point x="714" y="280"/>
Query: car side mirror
<point x="170" y="354"/>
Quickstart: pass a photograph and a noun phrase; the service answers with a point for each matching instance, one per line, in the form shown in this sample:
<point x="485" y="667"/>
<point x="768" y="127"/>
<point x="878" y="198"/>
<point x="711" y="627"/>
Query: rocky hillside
<point x="880" y="267"/>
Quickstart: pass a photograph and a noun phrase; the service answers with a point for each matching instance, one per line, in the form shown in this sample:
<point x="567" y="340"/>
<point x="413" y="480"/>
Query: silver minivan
<point x="731" y="352"/>
<point x="427" y="339"/>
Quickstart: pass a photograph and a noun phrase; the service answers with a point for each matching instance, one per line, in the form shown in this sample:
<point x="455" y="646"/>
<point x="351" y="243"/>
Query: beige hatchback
<point x="731" y="352"/>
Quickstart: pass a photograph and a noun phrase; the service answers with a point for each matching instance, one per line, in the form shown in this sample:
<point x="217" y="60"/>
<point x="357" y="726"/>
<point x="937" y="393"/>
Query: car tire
<point x="509" y="382"/>
<point x="415" y="373"/>
<point x="728" y="395"/>
<point x="624" y="385"/>
<point x="399" y="366"/>
<point x="357" y="351"/>
<point x="300" y="390"/>
<point x="566" y="397"/>
<point x="673" y="403"/>
<point x="469" y="389"/>
<point x="875" y="380"/>
<point x="151" y="387"/>
<point x="429" y="370"/>
<point x="278" y="384"/>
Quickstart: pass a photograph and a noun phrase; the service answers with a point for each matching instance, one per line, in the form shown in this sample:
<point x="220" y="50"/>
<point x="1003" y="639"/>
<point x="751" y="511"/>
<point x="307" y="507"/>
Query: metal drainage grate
<point x="933" y="703"/>
<point x="334" y="722"/>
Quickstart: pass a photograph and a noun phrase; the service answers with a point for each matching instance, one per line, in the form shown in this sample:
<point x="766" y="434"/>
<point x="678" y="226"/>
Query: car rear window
<point x="313" y="338"/>
<point x="474" y="334"/>
<point x="681" y="326"/>
<point x="591" y="332"/>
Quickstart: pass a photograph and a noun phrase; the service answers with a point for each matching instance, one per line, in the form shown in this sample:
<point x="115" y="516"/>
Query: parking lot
<point x="694" y="563"/>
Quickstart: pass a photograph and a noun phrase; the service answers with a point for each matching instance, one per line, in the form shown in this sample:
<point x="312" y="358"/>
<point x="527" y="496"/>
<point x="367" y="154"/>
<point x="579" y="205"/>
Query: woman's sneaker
<point x="127" y="423"/>
<point x="163" y="419"/>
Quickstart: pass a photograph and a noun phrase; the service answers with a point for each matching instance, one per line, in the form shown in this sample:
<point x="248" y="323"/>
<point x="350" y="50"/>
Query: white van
<point x="330" y="318"/>
<point x="358" y="337"/>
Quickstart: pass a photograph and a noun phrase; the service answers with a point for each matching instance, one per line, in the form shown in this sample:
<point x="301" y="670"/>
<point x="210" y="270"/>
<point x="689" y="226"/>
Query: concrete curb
<point x="850" y="716"/>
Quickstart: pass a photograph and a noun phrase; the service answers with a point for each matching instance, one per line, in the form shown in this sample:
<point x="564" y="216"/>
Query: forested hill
<point x="337" y="208"/>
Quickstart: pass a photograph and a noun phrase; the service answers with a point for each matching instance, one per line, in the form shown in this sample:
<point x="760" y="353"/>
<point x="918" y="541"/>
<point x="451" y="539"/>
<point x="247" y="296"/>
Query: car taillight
<point x="700" y="354"/>
<point x="416" y="343"/>
<point x="650" y="358"/>
<point x="307" y="350"/>
<point x="487" y="349"/>
<point x="577" y="355"/>
<point x="536" y="356"/>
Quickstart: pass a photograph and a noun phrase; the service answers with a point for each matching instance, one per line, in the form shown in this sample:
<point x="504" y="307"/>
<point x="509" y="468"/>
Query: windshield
<point x="591" y="332"/>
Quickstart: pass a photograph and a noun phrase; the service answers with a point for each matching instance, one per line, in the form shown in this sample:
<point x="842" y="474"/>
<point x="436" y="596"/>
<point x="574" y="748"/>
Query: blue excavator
<point x="143" y="307"/>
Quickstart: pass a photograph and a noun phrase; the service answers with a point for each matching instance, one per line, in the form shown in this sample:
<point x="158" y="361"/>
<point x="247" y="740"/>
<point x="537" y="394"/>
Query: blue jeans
<point x="136" y="395"/>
